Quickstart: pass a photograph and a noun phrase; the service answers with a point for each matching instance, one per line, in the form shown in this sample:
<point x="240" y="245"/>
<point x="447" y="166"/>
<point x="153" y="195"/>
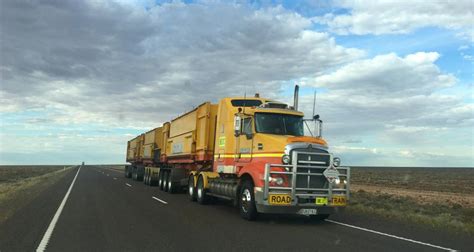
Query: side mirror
<point x="237" y="125"/>
<point x="316" y="117"/>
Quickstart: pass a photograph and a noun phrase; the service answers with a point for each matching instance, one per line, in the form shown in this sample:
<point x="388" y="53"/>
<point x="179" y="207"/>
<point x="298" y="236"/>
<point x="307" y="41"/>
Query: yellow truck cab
<point x="261" y="146"/>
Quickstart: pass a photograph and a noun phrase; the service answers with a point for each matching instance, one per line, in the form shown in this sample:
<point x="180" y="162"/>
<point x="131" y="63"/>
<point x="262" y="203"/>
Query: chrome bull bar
<point x="291" y="171"/>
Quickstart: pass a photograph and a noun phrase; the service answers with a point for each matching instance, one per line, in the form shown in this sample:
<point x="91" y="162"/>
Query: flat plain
<point x="20" y="184"/>
<point x="436" y="197"/>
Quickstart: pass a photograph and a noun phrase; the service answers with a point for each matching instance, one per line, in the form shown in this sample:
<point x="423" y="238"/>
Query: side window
<point x="247" y="125"/>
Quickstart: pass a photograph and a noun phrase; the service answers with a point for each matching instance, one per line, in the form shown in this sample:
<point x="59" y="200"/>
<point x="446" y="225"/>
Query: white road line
<point x="128" y="184"/>
<point x="107" y="175"/>
<point x="392" y="236"/>
<point x="162" y="201"/>
<point x="115" y="178"/>
<point x="49" y="231"/>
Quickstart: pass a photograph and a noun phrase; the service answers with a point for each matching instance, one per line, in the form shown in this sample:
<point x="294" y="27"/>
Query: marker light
<point x="285" y="159"/>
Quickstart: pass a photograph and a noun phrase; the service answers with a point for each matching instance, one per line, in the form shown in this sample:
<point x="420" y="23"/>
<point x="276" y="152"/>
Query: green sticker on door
<point x="222" y="141"/>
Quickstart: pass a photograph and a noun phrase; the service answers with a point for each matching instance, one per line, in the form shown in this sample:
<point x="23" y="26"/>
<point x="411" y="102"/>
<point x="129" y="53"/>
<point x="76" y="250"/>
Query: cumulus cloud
<point x="69" y="68"/>
<point x="391" y="102"/>
<point x="115" y="63"/>
<point x="389" y="75"/>
<point x="389" y="89"/>
<point x="397" y="17"/>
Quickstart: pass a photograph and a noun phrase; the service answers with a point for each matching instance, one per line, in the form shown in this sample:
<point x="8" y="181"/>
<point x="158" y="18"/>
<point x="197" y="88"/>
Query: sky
<point x="394" y="79"/>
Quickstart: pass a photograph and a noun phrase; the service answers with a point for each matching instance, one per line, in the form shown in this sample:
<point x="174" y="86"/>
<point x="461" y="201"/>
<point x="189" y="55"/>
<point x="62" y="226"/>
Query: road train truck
<point x="261" y="154"/>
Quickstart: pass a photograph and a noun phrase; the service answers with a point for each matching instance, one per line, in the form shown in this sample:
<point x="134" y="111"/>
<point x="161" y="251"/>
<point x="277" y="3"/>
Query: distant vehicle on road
<point x="252" y="151"/>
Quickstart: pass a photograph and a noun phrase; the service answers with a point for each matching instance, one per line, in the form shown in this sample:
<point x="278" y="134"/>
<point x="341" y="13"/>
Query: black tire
<point x="148" y="179"/>
<point x="191" y="189"/>
<point x="247" y="207"/>
<point x="160" y="180"/>
<point x="140" y="172"/>
<point x="134" y="174"/>
<point x="171" y="185"/>
<point x="152" y="179"/>
<point x="165" y="181"/>
<point x="145" y="178"/>
<point x="201" y="194"/>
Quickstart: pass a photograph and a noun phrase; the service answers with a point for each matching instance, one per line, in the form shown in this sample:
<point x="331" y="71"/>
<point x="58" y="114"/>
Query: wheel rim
<point x="246" y="199"/>
<point x="160" y="180"/>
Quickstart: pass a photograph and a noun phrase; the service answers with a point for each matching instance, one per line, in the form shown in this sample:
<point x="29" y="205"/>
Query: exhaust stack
<point x="295" y="98"/>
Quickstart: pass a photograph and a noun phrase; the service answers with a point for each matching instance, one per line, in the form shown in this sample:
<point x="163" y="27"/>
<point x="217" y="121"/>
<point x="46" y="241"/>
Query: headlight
<point x="277" y="180"/>
<point x="337" y="181"/>
<point x="285" y="159"/>
<point x="336" y="161"/>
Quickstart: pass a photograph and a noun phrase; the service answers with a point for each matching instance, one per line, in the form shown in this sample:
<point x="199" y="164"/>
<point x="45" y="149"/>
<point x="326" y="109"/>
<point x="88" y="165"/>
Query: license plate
<point x="338" y="201"/>
<point x="308" y="211"/>
<point x="279" y="199"/>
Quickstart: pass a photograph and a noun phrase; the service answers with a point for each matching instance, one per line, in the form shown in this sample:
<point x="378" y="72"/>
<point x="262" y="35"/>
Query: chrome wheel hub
<point x="246" y="199"/>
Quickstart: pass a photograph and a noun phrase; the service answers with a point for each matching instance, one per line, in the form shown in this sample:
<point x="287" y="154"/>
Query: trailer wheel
<point x="201" y="196"/>
<point x="148" y="178"/>
<point x="191" y="188"/>
<point x="144" y="178"/>
<point x="165" y="181"/>
<point x="247" y="207"/>
<point x="152" y="179"/>
<point x="140" y="172"/>
<point x="134" y="173"/>
<point x="160" y="179"/>
<point x="128" y="174"/>
<point x="171" y="185"/>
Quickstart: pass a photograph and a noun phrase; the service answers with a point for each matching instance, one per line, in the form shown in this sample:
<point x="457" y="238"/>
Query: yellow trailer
<point x="132" y="149"/>
<point x="191" y="136"/>
<point x="153" y="149"/>
<point x="149" y="144"/>
<point x="135" y="156"/>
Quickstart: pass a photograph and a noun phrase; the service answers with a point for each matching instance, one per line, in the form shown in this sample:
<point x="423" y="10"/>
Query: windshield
<point x="279" y="124"/>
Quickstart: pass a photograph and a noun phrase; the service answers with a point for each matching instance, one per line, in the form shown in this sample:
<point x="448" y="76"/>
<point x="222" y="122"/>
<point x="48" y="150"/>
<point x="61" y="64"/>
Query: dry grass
<point x="12" y="173"/>
<point x="455" y="180"/>
<point x="441" y="198"/>
<point x="20" y="184"/>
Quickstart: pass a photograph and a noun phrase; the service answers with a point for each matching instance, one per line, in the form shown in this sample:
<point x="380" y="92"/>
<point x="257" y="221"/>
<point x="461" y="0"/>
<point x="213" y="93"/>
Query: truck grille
<point x="310" y="168"/>
<point x="306" y="180"/>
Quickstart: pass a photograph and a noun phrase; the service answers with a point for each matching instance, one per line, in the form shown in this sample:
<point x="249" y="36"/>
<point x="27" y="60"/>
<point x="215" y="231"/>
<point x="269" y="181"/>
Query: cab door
<point x="244" y="141"/>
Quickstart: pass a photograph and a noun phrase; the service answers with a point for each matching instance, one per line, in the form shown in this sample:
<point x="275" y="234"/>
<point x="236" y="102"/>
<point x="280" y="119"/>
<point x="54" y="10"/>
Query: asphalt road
<point x="107" y="212"/>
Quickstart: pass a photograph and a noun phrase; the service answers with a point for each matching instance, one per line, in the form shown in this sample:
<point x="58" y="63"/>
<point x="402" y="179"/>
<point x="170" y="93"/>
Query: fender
<point x="256" y="168"/>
